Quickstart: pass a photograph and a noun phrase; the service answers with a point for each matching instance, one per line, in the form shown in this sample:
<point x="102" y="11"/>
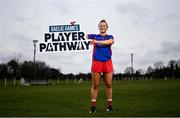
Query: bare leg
<point x="108" y="89"/>
<point x="95" y="85"/>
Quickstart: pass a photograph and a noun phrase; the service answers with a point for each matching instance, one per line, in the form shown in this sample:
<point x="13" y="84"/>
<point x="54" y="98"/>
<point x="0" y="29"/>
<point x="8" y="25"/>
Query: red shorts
<point x="98" y="66"/>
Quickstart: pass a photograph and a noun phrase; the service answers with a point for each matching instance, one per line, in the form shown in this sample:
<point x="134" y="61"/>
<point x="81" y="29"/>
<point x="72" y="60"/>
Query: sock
<point x="93" y="102"/>
<point x="109" y="102"/>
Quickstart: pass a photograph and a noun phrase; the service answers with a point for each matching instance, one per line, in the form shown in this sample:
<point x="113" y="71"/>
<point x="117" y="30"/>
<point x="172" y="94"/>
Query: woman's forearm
<point x="105" y="42"/>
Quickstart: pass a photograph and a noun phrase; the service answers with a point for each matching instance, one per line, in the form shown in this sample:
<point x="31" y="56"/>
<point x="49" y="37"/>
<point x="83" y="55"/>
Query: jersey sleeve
<point x="110" y="37"/>
<point x="91" y="36"/>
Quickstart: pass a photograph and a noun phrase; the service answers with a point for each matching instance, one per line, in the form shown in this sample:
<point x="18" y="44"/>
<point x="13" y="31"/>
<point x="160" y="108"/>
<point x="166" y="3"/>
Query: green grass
<point x="130" y="98"/>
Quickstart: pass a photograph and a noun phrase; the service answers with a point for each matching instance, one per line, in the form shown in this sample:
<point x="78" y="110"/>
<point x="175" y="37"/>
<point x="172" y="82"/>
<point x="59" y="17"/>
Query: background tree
<point x="128" y="71"/>
<point x="14" y="69"/>
<point x="3" y="71"/>
<point x="158" y="65"/>
<point x="27" y="70"/>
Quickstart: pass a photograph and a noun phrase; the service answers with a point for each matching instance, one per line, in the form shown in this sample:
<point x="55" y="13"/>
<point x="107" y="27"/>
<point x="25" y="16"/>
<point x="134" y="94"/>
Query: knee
<point x="109" y="86"/>
<point x="95" y="86"/>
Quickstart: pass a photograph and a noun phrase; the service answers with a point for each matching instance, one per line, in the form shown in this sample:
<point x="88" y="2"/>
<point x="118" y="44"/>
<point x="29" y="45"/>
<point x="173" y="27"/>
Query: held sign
<point x="64" y="38"/>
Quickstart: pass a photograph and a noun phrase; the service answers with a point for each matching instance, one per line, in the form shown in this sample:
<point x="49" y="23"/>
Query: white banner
<point x="64" y="38"/>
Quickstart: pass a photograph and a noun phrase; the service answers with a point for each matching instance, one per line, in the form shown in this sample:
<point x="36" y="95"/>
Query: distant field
<point x="130" y="98"/>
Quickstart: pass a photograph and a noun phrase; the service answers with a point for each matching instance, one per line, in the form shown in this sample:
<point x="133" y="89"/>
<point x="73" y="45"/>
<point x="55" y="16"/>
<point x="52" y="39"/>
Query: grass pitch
<point x="130" y="98"/>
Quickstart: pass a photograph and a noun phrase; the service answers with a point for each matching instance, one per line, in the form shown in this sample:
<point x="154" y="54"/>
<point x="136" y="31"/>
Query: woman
<point x="101" y="64"/>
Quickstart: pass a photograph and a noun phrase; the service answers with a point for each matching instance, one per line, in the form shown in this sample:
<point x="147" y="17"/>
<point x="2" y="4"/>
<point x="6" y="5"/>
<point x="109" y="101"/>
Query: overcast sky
<point x="148" y="28"/>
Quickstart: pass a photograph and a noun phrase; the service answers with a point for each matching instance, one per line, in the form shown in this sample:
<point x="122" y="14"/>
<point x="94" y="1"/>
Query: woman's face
<point x="103" y="27"/>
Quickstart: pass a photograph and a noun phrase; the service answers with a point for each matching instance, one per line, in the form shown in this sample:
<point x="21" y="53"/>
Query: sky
<point x="150" y="29"/>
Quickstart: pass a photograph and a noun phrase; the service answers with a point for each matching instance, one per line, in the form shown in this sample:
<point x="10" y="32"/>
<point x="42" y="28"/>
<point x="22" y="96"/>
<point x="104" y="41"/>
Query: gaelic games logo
<point x="64" y="38"/>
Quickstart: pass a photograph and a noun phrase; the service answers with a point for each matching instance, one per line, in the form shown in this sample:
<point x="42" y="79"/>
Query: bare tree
<point x="159" y="65"/>
<point x="149" y="70"/>
<point x="141" y="71"/>
<point x="128" y="70"/>
<point x="172" y="63"/>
